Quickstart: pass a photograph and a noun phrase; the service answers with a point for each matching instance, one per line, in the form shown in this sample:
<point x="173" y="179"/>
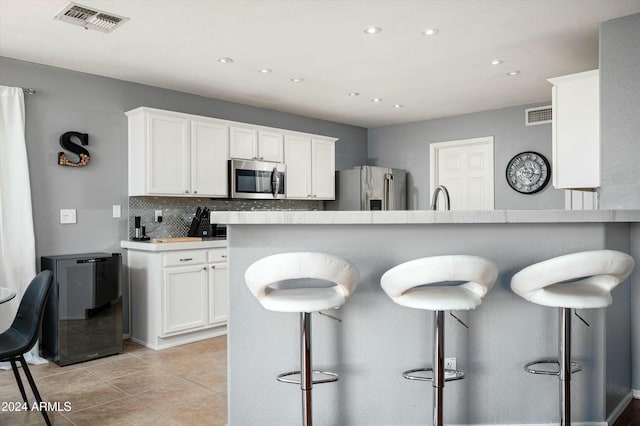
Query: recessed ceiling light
<point x="354" y="94"/>
<point x="265" y="70"/>
<point x="372" y="30"/>
<point x="512" y="73"/>
<point x="297" y="79"/>
<point x="430" y="31"/>
<point x="376" y="100"/>
<point x="397" y="106"/>
<point x="497" y="62"/>
<point x="225" y="60"/>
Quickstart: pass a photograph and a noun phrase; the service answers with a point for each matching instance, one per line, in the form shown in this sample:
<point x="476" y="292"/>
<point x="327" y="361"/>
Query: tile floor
<point x="185" y="385"/>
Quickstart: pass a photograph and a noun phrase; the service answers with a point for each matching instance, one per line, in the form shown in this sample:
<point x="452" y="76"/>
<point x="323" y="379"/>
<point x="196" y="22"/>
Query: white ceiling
<point x="175" y="45"/>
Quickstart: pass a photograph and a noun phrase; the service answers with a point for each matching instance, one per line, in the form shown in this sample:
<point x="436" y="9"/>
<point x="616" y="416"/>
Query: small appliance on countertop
<point x="140" y="231"/>
<point x="219" y="230"/>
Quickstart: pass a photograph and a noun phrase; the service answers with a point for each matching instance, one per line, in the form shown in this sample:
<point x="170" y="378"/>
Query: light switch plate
<point x="117" y="211"/>
<point x="67" y="216"/>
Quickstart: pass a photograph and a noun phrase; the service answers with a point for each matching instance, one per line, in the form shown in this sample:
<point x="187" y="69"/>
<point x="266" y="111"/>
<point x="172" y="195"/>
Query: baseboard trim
<point x="636" y="393"/>
<point x="544" y="424"/>
<point x="619" y="409"/>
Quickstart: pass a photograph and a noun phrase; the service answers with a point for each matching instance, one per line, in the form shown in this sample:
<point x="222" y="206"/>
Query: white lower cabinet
<point x="178" y="296"/>
<point x="184" y="298"/>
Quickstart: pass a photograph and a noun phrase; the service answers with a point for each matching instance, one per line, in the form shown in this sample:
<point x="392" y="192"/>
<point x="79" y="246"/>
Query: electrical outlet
<point x="67" y="216"/>
<point x="158" y="215"/>
<point x="449" y="363"/>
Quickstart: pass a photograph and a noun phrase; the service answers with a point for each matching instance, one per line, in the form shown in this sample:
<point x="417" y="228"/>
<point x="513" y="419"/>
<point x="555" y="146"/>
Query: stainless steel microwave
<point x="257" y="179"/>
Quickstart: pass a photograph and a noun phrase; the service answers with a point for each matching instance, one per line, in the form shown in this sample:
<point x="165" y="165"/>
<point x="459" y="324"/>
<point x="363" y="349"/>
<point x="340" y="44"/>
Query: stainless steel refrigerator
<point x="370" y="188"/>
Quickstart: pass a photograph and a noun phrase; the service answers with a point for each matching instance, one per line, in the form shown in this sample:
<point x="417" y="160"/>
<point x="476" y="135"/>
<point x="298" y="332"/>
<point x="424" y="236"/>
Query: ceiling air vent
<point x="90" y="19"/>
<point x="539" y="115"/>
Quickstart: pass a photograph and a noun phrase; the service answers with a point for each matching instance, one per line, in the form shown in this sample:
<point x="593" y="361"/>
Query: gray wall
<point x="68" y="100"/>
<point x="618" y="326"/>
<point x="620" y="142"/>
<point x="620" y="112"/>
<point x="406" y="146"/>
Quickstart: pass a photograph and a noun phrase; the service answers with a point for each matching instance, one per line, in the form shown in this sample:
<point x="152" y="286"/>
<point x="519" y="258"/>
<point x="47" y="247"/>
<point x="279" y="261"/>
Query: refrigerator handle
<point x="389" y="192"/>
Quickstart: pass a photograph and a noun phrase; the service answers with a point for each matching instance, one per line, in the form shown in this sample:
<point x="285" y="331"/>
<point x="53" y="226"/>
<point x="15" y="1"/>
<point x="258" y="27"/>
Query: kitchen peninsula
<point x="377" y="339"/>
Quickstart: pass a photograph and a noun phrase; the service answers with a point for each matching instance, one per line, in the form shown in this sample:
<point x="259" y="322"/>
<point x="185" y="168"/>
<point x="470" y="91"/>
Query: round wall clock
<point x="528" y="172"/>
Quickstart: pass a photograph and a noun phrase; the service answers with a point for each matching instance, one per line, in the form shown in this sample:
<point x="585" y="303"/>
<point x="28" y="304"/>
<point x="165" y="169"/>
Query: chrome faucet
<point x="434" y="199"/>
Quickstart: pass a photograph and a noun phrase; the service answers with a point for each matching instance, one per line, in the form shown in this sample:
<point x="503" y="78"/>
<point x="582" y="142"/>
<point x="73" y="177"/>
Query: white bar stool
<point x="330" y="282"/>
<point x="581" y="280"/>
<point x="426" y="283"/>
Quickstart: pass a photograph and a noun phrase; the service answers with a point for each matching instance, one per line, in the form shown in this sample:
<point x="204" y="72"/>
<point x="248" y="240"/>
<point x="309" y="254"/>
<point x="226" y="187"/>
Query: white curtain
<point x="17" y="241"/>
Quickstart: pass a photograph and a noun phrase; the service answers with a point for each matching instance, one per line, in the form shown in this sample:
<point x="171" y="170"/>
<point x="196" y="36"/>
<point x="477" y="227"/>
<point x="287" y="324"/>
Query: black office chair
<point x="23" y="333"/>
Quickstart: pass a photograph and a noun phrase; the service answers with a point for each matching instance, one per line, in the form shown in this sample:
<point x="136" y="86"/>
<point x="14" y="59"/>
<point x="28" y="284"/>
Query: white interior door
<point x="466" y="169"/>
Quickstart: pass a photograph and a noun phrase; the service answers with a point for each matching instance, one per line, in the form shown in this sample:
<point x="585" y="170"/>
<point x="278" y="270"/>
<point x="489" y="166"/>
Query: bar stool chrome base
<point x="449" y="375"/>
<point x="575" y="367"/>
<point x="331" y="377"/>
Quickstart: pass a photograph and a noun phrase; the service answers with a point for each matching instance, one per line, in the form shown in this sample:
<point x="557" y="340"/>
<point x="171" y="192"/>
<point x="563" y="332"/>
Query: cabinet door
<point x="209" y="154"/>
<point x="270" y="146"/>
<point x="184" y="298"/>
<point x="323" y="169"/>
<point x="168" y="157"/>
<point x="218" y="293"/>
<point x="242" y="143"/>
<point x="576" y="131"/>
<point x="297" y="156"/>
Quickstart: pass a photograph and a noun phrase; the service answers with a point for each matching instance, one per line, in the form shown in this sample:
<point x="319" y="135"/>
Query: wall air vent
<point x="539" y="115"/>
<point x="90" y="19"/>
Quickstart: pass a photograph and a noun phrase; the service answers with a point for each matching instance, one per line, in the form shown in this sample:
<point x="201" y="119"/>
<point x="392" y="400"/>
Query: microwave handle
<point x="275" y="182"/>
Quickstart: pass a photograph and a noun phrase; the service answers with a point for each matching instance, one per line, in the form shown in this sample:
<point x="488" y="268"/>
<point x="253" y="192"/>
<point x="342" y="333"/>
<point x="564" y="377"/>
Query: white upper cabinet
<point x="576" y="131"/>
<point x="167" y="155"/>
<point x="323" y="169"/>
<point x="297" y="154"/>
<point x="253" y="144"/>
<point x="243" y="143"/>
<point x="270" y="146"/>
<point x="176" y="154"/>
<point x="310" y="167"/>
<point x="209" y="154"/>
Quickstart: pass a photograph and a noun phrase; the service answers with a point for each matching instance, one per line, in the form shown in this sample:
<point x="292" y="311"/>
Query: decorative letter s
<point x="65" y="142"/>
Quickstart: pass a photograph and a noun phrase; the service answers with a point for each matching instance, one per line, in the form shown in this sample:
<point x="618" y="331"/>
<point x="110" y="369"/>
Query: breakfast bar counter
<point x="378" y="339"/>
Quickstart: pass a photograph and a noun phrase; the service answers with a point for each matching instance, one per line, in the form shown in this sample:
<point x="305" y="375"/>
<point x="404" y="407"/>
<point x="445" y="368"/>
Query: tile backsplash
<point x="177" y="212"/>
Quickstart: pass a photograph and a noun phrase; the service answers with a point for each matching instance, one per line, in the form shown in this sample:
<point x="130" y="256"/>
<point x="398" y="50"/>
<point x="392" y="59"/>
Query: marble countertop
<point x="421" y="217"/>
<point x="149" y="246"/>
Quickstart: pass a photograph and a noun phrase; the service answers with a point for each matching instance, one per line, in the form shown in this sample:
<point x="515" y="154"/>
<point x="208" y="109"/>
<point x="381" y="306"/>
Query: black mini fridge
<point x="83" y="316"/>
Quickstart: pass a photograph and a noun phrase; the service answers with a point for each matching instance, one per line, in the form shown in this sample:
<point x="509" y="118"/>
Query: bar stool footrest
<point x="328" y="377"/>
<point x="449" y="375"/>
<point x="529" y="367"/>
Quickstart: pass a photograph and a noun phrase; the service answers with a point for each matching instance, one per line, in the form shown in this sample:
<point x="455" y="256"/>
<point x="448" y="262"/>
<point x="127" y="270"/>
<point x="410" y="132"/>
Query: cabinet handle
<point x="224" y="256"/>
<point x="186" y="259"/>
<point x="262" y="158"/>
<point x="213" y="266"/>
<point x="195" y="192"/>
<point x="204" y="269"/>
<point x="186" y="191"/>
